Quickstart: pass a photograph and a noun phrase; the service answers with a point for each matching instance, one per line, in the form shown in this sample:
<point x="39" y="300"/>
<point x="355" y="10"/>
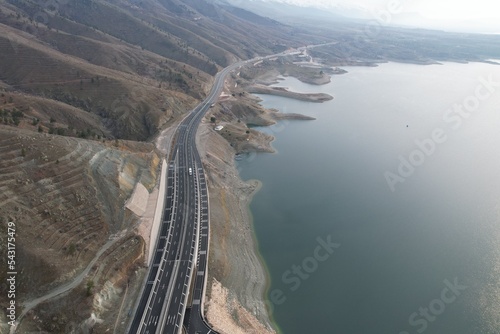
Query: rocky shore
<point x="281" y="91"/>
<point x="237" y="279"/>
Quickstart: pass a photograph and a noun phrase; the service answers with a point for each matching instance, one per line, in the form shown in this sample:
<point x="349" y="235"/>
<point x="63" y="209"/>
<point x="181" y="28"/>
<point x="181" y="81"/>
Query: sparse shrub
<point x="16" y="115"/>
<point x="52" y="120"/>
<point x="71" y="248"/>
<point x="90" y="285"/>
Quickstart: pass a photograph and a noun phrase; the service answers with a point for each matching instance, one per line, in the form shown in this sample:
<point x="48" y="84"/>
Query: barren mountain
<point x="134" y="65"/>
<point x="85" y="88"/>
<point x="85" y="85"/>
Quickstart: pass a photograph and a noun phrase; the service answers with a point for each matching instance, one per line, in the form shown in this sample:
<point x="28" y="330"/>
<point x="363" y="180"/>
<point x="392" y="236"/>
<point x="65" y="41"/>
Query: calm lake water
<point x="349" y="252"/>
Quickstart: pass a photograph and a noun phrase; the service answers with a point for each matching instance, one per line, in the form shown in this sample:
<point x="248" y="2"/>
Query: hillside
<point x="65" y="196"/>
<point x="85" y="87"/>
<point x="136" y="66"/>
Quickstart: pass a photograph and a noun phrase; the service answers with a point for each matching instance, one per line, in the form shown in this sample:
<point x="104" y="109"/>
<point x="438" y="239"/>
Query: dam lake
<point x="383" y="215"/>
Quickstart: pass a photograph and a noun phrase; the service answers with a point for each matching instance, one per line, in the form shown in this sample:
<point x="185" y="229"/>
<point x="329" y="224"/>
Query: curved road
<point x="182" y="243"/>
<point x="181" y="254"/>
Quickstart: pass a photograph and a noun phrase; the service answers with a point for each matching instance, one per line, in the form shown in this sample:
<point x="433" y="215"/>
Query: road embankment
<point x="237" y="280"/>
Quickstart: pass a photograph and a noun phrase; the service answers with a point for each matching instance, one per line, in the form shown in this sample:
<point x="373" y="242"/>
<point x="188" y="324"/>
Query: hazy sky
<point x="433" y="9"/>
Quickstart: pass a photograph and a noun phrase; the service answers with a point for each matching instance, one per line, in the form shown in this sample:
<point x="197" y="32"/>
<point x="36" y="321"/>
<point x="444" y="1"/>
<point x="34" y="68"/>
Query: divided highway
<point x="181" y="252"/>
<point x="183" y="241"/>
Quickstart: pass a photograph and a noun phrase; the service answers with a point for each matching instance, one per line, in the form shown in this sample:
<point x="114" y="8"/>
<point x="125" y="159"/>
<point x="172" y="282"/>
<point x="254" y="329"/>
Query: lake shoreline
<point x="307" y="97"/>
<point x="348" y="198"/>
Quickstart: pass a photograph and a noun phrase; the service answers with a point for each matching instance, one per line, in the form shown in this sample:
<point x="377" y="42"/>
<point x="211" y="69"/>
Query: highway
<point x="182" y="243"/>
<point x="181" y="252"/>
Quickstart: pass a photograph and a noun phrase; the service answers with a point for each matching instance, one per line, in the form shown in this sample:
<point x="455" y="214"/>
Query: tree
<point x="213" y="119"/>
<point x="90" y="285"/>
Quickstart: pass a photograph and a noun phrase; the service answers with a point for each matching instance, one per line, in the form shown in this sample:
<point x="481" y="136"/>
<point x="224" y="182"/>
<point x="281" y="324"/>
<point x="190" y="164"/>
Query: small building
<point x="218" y="128"/>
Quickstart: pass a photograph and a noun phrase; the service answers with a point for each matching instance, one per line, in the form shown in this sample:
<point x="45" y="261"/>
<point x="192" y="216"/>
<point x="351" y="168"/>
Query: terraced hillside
<point x="67" y="198"/>
<point x="85" y="86"/>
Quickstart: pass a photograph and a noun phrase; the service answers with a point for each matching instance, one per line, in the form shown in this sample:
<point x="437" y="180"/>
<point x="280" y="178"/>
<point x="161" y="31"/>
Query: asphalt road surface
<point x="182" y="244"/>
<point x="181" y="252"/>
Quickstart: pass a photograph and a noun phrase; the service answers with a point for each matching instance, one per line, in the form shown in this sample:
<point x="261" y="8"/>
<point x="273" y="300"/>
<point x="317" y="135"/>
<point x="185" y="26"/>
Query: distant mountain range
<point x="288" y="10"/>
<point x="283" y="10"/>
